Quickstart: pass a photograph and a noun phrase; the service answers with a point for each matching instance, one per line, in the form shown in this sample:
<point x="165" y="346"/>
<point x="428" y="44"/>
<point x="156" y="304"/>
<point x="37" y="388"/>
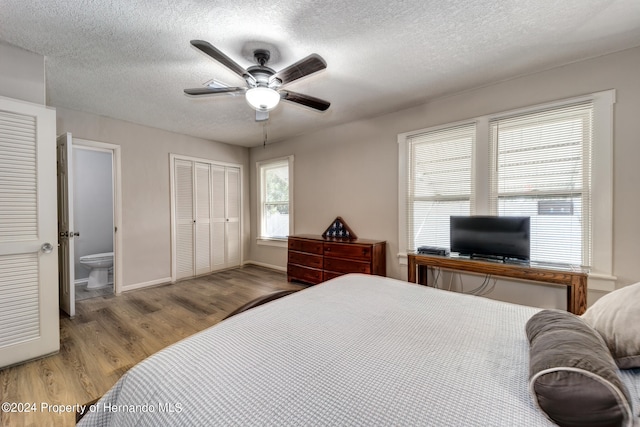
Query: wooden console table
<point x="574" y="278"/>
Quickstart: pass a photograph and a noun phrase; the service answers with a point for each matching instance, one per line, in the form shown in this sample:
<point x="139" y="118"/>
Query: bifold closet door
<point x="184" y="218"/>
<point x="226" y="217"/>
<point x="202" y="233"/>
<point x="233" y="217"/>
<point x="207" y="217"/>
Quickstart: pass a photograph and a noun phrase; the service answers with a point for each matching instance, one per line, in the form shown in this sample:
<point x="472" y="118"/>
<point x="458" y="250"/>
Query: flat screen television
<point x="501" y="237"/>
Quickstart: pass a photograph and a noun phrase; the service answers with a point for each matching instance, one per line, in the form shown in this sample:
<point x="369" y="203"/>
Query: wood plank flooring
<point x="111" y="334"/>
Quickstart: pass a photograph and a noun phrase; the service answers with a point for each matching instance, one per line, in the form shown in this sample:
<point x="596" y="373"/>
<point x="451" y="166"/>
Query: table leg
<point x="412" y="270"/>
<point x="577" y="295"/>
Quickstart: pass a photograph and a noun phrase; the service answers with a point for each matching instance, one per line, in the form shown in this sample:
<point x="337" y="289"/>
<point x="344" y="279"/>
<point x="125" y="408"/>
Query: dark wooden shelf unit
<point x="314" y="259"/>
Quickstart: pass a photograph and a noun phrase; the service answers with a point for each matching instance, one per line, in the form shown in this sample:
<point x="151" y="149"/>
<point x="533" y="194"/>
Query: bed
<point x="354" y="351"/>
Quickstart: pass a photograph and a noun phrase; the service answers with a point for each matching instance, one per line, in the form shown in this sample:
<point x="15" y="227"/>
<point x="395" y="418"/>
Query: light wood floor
<point x="111" y="334"/>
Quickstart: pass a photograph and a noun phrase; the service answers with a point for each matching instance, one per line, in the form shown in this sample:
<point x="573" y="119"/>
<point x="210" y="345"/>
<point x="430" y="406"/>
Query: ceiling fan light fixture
<point x="262" y="98"/>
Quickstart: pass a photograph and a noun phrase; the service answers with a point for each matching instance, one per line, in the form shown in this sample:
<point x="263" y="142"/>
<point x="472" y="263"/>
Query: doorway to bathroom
<point x="89" y="217"/>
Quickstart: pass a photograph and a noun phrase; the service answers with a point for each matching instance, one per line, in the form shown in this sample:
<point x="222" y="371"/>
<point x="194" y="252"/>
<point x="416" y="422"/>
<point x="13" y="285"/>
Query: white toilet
<point x="99" y="265"/>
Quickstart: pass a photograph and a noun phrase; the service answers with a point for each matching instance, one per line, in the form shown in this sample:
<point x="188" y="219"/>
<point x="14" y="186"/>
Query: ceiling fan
<point x="264" y="85"/>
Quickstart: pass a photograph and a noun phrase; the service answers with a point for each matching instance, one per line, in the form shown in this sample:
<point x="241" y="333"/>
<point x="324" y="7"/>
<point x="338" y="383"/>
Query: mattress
<point x="354" y="351"/>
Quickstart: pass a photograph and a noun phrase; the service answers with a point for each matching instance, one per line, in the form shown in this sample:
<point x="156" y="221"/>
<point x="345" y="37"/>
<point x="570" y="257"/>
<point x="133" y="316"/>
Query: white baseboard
<point x="145" y="284"/>
<point x="265" y="265"/>
<point x="166" y="280"/>
<point x="81" y="282"/>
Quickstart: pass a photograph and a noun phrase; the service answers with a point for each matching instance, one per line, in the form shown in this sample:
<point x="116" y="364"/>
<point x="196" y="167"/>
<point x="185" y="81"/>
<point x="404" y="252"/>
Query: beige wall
<point x="146" y="232"/>
<point x="352" y="170"/>
<point x="21" y="74"/>
<point x="349" y="170"/>
<point x="146" y="187"/>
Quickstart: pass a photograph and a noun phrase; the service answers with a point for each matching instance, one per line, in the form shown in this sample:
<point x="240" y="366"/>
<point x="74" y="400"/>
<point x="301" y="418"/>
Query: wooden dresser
<point x="314" y="259"/>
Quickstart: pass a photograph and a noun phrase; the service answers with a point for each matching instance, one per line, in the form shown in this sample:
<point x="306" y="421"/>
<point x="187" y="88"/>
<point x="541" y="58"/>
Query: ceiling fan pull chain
<point x="264" y="140"/>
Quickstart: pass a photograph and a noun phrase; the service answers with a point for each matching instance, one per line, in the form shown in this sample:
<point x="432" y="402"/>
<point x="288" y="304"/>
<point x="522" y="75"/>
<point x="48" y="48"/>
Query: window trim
<point x="601" y="276"/>
<point x="265" y="240"/>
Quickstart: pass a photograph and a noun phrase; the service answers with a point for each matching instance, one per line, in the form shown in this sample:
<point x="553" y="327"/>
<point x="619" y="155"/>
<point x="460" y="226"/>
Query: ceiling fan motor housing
<point x="261" y="73"/>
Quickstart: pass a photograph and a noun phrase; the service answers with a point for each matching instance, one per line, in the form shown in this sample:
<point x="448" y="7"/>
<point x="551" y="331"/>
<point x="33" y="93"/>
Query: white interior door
<point x="29" y="323"/>
<point x="66" y="259"/>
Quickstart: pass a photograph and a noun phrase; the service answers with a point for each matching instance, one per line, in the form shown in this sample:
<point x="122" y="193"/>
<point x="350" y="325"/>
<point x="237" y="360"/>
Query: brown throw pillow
<point x="572" y="376"/>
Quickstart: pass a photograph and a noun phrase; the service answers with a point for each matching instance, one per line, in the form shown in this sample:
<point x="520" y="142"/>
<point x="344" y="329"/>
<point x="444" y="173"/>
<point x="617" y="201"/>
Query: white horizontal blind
<point x="439" y="183"/>
<point x="542" y="169"/>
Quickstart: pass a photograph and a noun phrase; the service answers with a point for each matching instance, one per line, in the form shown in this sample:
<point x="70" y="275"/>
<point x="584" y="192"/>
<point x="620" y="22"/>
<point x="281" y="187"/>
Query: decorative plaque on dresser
<point x="314" y="259"/>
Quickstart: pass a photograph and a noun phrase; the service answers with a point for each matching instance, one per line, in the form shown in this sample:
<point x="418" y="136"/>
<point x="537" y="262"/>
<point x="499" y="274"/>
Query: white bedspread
<point x="354" y="351"/>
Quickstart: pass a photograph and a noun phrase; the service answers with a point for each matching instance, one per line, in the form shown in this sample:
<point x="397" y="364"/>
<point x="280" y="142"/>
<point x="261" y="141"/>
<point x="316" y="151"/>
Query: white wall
<point x="21" y="74"/>
<point x="145" y="167"/>
<point x="352" y="170"/>
<point x="92" y="205"/>
<point x="146" y="227"/>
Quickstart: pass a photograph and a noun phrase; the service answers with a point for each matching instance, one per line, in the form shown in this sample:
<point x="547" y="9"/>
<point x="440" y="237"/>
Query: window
<point x="275" y="198"/>
<point x="439" y="178"/>
<point x="551" y="162"/>
<point x="541" y="168"/>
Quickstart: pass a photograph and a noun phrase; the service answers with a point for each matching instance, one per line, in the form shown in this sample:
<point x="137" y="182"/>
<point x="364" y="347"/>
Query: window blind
<point x="439" y="183"/>
<point x="541" y="167"/>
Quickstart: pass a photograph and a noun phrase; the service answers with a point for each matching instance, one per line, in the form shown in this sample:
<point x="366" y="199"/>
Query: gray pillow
<point x="616" y="317"/>
<point x="572" y="376"/>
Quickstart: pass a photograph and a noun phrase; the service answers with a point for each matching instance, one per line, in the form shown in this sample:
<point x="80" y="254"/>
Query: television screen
<point x="491" y="236"/>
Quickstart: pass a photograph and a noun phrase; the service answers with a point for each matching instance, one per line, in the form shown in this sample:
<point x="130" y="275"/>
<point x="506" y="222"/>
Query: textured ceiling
<point x="131" y="59"/>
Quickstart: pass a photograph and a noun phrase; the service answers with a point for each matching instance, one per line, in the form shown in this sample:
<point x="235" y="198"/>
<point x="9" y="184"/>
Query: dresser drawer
<point x="347" y="250"/>
<point x="302" y="245"/>
<point x="305" y="259"/>
<point x="304" y="274"/>
<point x="346" y="266"/>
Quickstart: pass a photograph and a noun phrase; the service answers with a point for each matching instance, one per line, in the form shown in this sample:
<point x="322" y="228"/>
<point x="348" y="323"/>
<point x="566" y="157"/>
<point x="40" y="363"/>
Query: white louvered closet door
<point x="226" y="216"/>
<point x="184" y="218"/>
<point x="233" y="216"/>
<point x="203" y="218"/>
<point x="207" y="215"/>
<point x="29" y="325"/>
<point x="219" y="217"/>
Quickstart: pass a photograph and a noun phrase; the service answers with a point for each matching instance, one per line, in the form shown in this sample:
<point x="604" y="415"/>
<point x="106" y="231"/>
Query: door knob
<point x="47" y="248"/>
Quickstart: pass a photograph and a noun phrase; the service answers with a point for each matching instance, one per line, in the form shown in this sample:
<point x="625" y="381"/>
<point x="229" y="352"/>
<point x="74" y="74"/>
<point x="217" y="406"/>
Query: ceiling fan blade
<point x="302" y="68"/>
<point x="306" y="100"/>
<point x="215" y="91"/>
<point x="216" y="54"/>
